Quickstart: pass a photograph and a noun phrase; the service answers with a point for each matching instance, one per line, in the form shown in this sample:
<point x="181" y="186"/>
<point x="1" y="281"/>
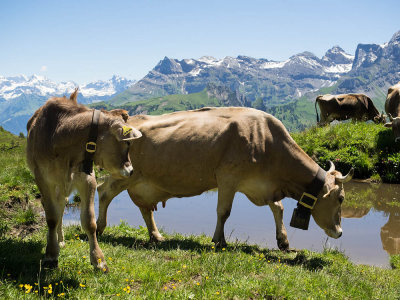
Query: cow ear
<point x="388" y="124"/>
<point x="74" y="96"/>
<point x="120" y="113"/>
<point x="125" y="132"/>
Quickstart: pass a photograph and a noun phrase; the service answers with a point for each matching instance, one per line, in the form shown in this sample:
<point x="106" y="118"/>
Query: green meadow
<point x="189" y="267"/>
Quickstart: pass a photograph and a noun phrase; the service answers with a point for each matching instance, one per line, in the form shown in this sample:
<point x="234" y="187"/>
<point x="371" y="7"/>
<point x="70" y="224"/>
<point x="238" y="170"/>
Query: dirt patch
<point x="14" y="206"/>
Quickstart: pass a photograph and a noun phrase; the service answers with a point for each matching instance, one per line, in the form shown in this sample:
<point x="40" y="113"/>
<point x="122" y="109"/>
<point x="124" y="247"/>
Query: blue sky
<point x="89" y="40"/>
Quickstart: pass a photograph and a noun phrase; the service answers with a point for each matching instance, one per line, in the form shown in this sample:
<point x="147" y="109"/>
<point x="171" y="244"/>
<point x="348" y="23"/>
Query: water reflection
<point x="371" y="221"/>
<point x="361" y="198"/>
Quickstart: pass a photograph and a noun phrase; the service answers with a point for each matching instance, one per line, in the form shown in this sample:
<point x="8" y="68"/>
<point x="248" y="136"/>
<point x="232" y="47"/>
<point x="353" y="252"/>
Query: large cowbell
<point x="301" y="217"/>
<point x="302" y="213"/>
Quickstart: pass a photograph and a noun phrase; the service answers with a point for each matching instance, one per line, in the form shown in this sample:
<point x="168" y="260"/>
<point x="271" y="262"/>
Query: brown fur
<point x="57" y="135"/>
<point x="358" y="107"/>
<point x="392" y="108"/>
<point x="233" y="149"/>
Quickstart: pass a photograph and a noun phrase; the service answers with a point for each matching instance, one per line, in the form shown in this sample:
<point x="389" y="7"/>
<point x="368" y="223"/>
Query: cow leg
<point x="281" y="235"/>
<point x="225" y="200"/>
<point x="86" y="186"/>
<point x="107" y="191"/>
<point x="155" y="235"/>
<point x="60" y="232"/>
<point x="53" y="214"/>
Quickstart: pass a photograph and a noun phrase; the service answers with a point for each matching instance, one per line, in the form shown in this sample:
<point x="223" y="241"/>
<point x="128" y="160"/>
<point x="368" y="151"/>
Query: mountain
<point x="212" y="95"/>
<point x="276" y="82"/>
<point x="375" y="68"/>
<point x="20" y="96"/>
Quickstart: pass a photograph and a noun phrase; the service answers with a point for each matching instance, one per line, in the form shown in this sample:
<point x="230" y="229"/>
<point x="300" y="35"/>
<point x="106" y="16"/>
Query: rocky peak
<point x="168" y="66"/>
<point x="366" y="55"/>
<point x="336" y="55"/>
<point x="226" y="96"/>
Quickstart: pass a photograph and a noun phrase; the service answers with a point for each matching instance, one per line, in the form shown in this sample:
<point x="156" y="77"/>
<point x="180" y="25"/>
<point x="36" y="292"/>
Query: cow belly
<point x="260" y="191"/>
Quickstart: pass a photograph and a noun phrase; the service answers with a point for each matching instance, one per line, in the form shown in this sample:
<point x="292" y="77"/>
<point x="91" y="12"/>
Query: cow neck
<point x="91" y="145"/>
<point x="301" y="214"/>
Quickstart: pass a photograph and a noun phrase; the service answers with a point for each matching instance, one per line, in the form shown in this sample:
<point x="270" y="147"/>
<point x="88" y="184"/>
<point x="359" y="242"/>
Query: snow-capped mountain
<point x="274" y="81"/>
<point x="20" y="96"/>
<point x="14" y="87"/>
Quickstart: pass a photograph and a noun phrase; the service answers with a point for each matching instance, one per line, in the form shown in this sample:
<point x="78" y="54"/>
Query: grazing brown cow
<point x="233" y="149"/>
<point x="58" y="134"/>
<point x="392" y="108"/>
<point x="358" y="107"/>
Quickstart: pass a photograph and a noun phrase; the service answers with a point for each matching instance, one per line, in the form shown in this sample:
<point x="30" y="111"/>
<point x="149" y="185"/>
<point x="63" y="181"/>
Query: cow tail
<point x="316" y="110"/>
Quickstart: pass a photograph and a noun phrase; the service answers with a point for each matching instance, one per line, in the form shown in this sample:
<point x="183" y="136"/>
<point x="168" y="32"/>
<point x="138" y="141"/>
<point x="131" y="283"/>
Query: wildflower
<point x="21" y="286"/>
<point x="165" y="288"/>
<point x="83" y="256"/>
<point x="212" y="247"/>
<point x="50" y="291"/>
<point x="36" y="292"/>
<point x="174" y="287"/>
<point x="82" y="285"/>
<point x="198" y="283"/>
<point x="223" y="249"/>
<point x="109" y="258"/>
<point x="99" y="260"/>
<point x="127" y="280"/>
<point x="61" y="294"/>
<point x="206" y="277"/>
<point x="216" y="293"/>
<point x="132" y="280"/>
<point x="104" y="269"/>
<point x="184" y="266"/>
<point x="56" y="283"/>
<point x="36" y="283"/>
<point x="79" y="272"/>
<point x="118" y="295"/>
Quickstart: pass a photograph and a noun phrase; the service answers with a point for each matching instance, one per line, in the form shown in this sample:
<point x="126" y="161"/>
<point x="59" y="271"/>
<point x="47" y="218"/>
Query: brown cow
<point x="358" y="107"/>
<point x="392" y="108"/>
<point x="233" y="149"/>
<point x="58" y="133"/>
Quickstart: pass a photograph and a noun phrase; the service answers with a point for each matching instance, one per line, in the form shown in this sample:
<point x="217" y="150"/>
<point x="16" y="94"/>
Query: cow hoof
<point x="156" y="239"/>
<point x="283" y="246"/>
<point x="48" y="263"/>
<point x="220" y="244"/>
<point x="102" y="267"/>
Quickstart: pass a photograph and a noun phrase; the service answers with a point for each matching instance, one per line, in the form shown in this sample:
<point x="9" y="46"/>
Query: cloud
<point x="43" y="68"/>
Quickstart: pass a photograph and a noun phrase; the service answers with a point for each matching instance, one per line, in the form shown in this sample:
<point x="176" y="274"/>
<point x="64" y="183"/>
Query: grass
<point x="18" y="191"/>
<point x="185" y="267"/>
<point x="367" y="147"/>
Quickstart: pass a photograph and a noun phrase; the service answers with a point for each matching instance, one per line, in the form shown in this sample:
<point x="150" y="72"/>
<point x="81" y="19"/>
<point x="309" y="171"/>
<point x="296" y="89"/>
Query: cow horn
<point x="347" y="178"/>
<point x="332" y="167"/>
<point x="390" y="117"/>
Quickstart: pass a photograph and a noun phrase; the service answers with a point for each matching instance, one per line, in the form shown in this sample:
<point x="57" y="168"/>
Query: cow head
<point x="113" y="148"/>
<point x="380" y="118"/>
<point x="327" y="209"/>
<point x="395" y="125"/>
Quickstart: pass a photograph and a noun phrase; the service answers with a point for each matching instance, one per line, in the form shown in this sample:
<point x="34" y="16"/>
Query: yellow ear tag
<point x="126" y="130"/>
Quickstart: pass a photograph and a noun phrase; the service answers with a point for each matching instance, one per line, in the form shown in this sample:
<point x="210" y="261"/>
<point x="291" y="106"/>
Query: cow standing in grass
<point x="392" y="108"/>
<point x="57" y="154"/>
<point x="233" y="149"/>
<point x="357" y="107"/>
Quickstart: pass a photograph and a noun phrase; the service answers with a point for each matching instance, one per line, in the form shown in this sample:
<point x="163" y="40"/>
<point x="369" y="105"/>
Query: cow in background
<point x="57" y="152"/>
<point x="392" y="108"/>
<point x="357" y="107"/>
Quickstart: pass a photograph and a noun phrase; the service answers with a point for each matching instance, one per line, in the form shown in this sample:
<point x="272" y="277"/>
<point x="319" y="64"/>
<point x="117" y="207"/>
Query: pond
<point x="370" y="221"/>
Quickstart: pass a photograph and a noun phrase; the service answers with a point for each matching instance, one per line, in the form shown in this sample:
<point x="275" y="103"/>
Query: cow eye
<point x="341" y="199"/>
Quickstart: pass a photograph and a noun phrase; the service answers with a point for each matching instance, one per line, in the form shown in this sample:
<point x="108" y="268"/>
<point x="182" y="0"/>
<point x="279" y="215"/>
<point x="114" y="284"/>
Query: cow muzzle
<point x="334" y="233"/>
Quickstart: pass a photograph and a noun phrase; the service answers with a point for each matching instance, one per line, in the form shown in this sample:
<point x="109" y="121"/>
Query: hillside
<point x="19" y="206"/>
